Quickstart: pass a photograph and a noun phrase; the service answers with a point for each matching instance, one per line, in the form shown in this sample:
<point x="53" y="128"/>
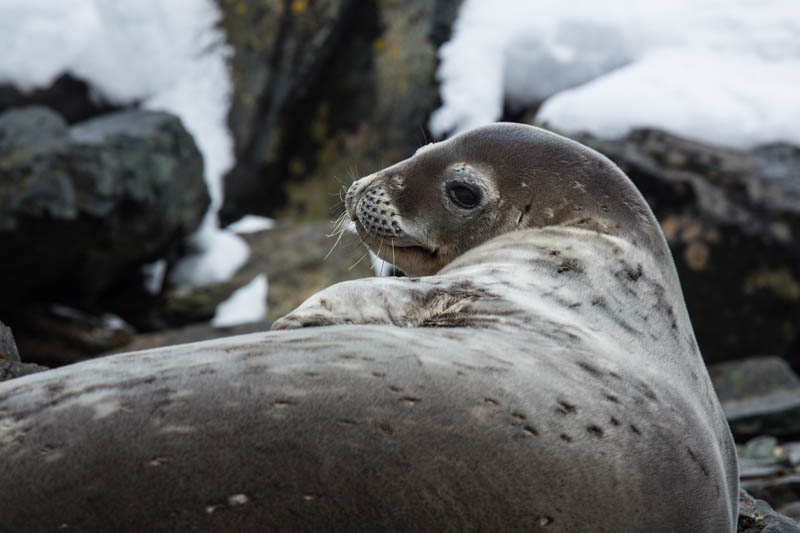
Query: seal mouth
<point x="388" y="246"/>
<point x="417" y="249"/>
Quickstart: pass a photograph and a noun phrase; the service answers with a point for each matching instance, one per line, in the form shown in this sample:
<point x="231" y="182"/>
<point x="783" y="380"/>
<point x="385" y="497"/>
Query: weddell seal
<point x="539" y="374"/>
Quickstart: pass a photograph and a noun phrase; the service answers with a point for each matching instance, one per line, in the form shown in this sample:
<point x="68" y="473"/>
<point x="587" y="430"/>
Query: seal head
<point x="453" y="195"/>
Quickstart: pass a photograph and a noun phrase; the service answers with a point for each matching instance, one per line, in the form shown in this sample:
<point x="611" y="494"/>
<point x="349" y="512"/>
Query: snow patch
<point x="251" y="224"/>
<point x="246" y="304"/>
<point x="222" y="254"/>
<point x="154" y="274"/>
<point x="720" y="72"/>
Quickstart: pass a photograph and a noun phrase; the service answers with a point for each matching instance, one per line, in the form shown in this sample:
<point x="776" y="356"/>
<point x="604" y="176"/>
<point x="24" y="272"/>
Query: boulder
<point x="326" y="91"/>
<point x="759" y="395"/>
<point x="82" y="205"/>
<point x="82" y="208"/>
<point x="732" y="219"/>
<point x="56" y="335"/>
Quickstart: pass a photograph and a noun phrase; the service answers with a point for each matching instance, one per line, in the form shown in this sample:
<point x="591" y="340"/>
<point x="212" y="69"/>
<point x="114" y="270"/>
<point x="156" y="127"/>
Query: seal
<point x="539" y="373"/>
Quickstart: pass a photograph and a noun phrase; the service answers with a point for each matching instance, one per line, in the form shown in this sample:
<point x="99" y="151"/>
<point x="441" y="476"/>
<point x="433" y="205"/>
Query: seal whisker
<point x="378" y="255"/>
<point x="338" y="239"/>
<point x="359" y="260"/>
<point x="338" y="225"/>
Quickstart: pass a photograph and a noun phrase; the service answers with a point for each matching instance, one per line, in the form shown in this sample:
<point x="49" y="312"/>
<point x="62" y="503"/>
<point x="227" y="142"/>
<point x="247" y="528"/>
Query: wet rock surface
<point x="759" y="395"/>
<point x="10" y="364"/>
<point x="732" y="219"/>
<point x="757" y="516"/>
<point x="326" y="91"/>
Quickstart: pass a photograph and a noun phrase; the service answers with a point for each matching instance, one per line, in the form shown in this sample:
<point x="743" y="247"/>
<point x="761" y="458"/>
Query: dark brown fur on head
<point x="523" y="176"/>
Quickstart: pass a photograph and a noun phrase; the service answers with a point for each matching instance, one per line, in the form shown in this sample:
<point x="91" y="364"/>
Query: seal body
<point x="544" y="379"/>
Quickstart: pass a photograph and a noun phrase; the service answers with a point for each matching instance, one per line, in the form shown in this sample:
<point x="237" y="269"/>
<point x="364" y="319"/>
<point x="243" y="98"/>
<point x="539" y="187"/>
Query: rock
<point x="792" y="510"/>
<point x="8" y="348"/>
<point x="759" y="396"/>
<point x="324" y="86"/>
<point x="56" y="335"/>
<point x="756" y="516"/>
<point x="84" y="206"/>
<point x="778" y="492"/>
<point x="69" y="96"/>
<point x="769" y="470"/>
<point x="732" y="219"/>
<point x="10" y="364"/>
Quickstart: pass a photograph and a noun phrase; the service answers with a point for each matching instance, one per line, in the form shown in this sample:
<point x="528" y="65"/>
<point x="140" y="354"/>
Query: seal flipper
<point x="402" y="302"/>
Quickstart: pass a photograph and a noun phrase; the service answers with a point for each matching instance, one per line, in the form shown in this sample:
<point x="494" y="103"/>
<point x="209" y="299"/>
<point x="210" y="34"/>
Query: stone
<point x="8" y="348"/>
<point x="792" y="510"/>
<point x="759" y="395"/>
<point x="10" y="364"/>
<point x="80" y="206"/>
<point x="83" y="208"/>
<point x="757" y="516"/>
<point x="325" y="91"/>
<point x="56" y="335"/>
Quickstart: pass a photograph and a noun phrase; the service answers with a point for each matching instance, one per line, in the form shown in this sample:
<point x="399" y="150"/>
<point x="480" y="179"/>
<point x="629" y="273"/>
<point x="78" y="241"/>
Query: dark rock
<point x="777" y="492"/>
<point x="56" y="335"/>
<point x="15" y="369"/>
<point x="280" y="49"/>
<point x="10" y="364"/>
<point x="70" y="97"/>
<point x="769" y="470"/>
<point x="759" y="396"/>
<point x="80" y="207"/>
<point x="792" y="510"/>
<point x="732" y="219"/>
<point x="324" y="87"/>
<point x="756" y="516"/>
<point x="8" y="348"/>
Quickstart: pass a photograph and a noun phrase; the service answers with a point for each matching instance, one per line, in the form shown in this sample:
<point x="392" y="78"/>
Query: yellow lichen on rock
<point x="696" y="255"/>
<point x="298" y="6"/>
<point x="780" y="282"/>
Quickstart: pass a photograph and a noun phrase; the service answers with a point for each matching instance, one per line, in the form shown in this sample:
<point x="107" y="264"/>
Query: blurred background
<point x="169" y="170"/>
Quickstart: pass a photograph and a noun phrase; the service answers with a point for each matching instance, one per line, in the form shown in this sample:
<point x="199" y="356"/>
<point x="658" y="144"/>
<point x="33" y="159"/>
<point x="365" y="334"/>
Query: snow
<point x="720" y="72"/>
<point x="163" y="55"/>
<point x="246" y="304"/>
<point x="381" y="267"/>
<point x="154" y="275"/>
<point x="222" y="254"/>
<point x="251" y="224"/>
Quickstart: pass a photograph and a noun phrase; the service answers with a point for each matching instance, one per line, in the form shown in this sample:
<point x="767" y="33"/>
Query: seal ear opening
<point x="523" y="213"/>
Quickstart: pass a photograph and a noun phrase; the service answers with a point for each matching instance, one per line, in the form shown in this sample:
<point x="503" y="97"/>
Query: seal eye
<point x="464" y="195"/>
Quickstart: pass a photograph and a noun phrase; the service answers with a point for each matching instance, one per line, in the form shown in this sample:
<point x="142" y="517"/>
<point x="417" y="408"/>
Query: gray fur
<point x="545" y="380"/>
